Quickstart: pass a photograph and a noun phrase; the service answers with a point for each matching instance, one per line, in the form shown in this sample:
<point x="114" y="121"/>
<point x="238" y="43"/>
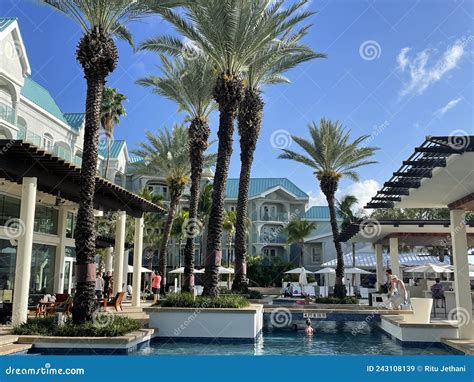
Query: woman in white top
<point x="395" y="288"/>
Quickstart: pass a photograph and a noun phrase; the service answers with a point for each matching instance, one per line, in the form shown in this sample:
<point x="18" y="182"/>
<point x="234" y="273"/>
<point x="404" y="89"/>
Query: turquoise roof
<point x="260" y="185"/>
<point x="41" y="97"/>
<point x="134" y="158"/>
<point x="5" y="22"/>
<point x="318" y="213"/>
<point x="75" y="120"/>
<point x="115" y="149"/>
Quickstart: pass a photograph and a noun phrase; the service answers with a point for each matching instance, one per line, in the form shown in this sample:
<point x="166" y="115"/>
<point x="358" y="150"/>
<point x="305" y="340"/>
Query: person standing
<point x="107" y="279"/>
<point x="155" y="286"/>
<point x="99" y="286"/>
<point x="396" y="286"/>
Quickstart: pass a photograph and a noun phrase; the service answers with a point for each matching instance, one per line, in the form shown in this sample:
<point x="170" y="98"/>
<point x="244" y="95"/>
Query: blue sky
<point x="397" y="70"/>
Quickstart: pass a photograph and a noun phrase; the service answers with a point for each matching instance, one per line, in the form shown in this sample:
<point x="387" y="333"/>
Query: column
<point x="108" y="259"/>
<point x="119" y="252"/>
<point x="394" y="257"/>
<point x="125" y="269"/>
<point x="379" y="265"/>
<point x="60" y="251"/>
<point x="24" y="250"/>
<point x="137" y="261"/>
<point x="462" y="287"/>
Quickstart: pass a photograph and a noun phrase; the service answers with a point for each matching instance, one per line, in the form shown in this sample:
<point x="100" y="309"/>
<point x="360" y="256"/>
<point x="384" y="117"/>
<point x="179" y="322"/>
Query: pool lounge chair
<point x="116" y="302"/>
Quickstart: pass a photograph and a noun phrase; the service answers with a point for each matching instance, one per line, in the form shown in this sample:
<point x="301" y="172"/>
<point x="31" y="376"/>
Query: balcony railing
<point x="268" y="216"/>
<point x="269" y="238"/>
<point x="7" y="113"/>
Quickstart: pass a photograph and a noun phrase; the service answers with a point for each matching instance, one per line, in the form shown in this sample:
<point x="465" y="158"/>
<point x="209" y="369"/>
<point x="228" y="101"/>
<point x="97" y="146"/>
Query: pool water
<point x="330" y="337"/>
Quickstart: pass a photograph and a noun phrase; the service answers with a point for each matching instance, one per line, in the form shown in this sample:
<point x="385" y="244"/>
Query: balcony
<point x="7" y="113"/>
<point x="270" y="217"/>
<point x="269" y="238"/>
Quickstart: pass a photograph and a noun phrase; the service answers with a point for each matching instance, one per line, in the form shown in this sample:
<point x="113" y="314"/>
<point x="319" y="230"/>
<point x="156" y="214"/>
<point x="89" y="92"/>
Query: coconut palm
<point x="332" y="156"/>
<point x="267" y="69"/>
<point x="178" y="231"/>
<point x="204" y="209"/>
<point x="229" y="228"/>
<point x="297" y="231"/>
<point x="166" y="154"/>
<point x="230" y="33"/>
<point x="111" y="110"/>
<point x="100" y="21"/>
<point x="189" y="83"/>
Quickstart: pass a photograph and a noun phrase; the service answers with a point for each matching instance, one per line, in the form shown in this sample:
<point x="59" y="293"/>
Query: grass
<point x="106" y="325"/>
<point x="335" y="300"/>
<point x="186" y="300"/>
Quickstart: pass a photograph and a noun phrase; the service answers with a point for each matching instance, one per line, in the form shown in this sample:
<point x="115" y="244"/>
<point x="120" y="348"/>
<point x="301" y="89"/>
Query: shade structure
<point x="429" y="268"/>
<point x="356" y="271"/>
<point x="222" y="271"/>
<point x="177" y="270"/>
<point x="297" y="271"/>
<point x="142" y="269"/>
<point x="326" y="271"/>
<point x="302" y="278"/>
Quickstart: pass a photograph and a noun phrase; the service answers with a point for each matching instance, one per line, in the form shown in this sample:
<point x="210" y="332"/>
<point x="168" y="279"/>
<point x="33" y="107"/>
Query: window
<point x="317" y="253"/>
<point x="70" y="225"/>
<point x="48" y="142"/>
<point x="158" y="189"/>
<point x="9" y="209"/>
<point x="269" y="252"/>
<point x="46" y="220"/>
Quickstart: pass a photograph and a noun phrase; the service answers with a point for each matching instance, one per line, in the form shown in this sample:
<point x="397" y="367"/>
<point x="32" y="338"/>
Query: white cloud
<point x="363" y="191"/>
<point x="425" y="68"/>
<point x="448" y="106"/>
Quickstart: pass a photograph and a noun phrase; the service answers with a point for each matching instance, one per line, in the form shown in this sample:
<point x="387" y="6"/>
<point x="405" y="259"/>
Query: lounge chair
<point x="63" y="307"/>
<point x="116" y="302"/>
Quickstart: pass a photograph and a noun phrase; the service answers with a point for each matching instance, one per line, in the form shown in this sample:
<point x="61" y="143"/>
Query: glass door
<point x="68" y="274"/>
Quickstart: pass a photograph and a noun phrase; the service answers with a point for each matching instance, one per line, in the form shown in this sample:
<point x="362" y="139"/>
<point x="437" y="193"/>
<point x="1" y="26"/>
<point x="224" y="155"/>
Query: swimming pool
<point x="330" y="338"/>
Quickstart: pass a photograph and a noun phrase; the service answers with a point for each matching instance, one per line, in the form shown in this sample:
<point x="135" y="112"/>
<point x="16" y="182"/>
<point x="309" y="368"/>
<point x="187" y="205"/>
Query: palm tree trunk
<point x="108" y="158"/>
<point x="329" y="188"/>
<point x="175" y="192"/>
<point x="198" y="136"/>
<point x="228" y="94"/>
<point x="250" y="121"/>
<point x="84" y="298"/>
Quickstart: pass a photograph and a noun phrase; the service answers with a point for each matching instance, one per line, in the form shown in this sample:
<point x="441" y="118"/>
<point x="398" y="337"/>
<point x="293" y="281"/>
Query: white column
<point x="108" y="259"/>
<point x="394" y="257"/>
<point x="125" y="270"/>
<point x="379" y="265"/>
<point x="137" y="261"/>
<point x="24" y="250"/>
<point x="119" y="251"/>
<point x="60" y="251"/>
<point x="462" y="287"/>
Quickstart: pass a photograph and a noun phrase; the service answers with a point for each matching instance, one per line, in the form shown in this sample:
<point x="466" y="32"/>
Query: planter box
<point x="244" y="323"/>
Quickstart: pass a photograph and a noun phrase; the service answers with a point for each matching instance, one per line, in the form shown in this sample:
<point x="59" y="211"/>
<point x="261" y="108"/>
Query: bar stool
<point x="443" y="304"/>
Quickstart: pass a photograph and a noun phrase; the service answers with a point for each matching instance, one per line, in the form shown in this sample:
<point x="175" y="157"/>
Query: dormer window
<point x="48" y="142"/>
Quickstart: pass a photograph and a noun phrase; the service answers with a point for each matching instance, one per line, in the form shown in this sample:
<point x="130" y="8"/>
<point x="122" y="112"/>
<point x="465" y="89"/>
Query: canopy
<point x="429" y="268"/>
<point x="143" y="269"/>
<point x="222" y="271"/>
<point x="356" y="271"/>
<point x="298" y="271"/>
<point x="325" y="271"/>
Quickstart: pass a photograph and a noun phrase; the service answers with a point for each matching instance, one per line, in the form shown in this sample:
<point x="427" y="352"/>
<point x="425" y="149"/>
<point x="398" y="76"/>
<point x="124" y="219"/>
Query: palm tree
<point x="111" y="110"/>
<point x="297" y="231"/>
<point x="332" y="156"/>
<point x="230" y="33"/>
<point x="178" y="230"/>
<point x="100" y="21"/>
<point x="229" y="228"/>
<point x="345" y="207"/>
<point x="167" y="155"/>
<point x="189" y="83"/>
<point x="204" y="209"/>
<point x="267" y="69"/>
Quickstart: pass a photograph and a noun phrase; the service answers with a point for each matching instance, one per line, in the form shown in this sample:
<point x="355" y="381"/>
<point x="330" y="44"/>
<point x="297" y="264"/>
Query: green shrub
<point x="106" y="325"/>
<point x="251" y="294"/>
<point x="335" y="300"/>
<point x="186" y="300"/>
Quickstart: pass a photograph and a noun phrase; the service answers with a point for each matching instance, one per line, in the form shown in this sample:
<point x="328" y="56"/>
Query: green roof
<point x="115" y="149"/>
<point x="134" y="158"/>
<point x="318" y="213"/>
<point x="75" y="120"/>
<point x="5" y="22"/>
<point x="260" y="185"/>
<point x="41" y="97"/>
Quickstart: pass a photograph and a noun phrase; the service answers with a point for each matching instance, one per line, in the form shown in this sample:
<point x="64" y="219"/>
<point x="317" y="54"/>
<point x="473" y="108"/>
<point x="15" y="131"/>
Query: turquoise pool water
<point x="331" y="337"/>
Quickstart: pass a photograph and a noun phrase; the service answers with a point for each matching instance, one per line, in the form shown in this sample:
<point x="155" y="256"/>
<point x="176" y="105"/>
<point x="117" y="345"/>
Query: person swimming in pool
<point x="309" y="328"/>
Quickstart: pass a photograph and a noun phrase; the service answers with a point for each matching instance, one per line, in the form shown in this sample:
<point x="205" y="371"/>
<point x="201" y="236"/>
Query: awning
<point x="55" y="176"/>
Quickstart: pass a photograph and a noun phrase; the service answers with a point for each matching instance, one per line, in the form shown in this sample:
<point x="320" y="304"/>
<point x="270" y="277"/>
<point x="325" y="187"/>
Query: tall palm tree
<point x="229" y="228"/>
<point x="166" y="154"/>
<point x="111" y="109"/>
<point x="230" y="33"/>
<point x="178" y="231"/>
<point x="345" y="207"/>
<point x="204" y="209"/>
<point x="267" y="69"/>
<point x="332" y="156"/>
<point x="189" y="83"/>
<point x="100" y="21"/>
<point x="297" y="231"/>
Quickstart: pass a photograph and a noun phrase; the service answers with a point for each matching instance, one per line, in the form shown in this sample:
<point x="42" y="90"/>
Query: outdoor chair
<point x="116" y="302"/>
<point x="443" y="304"/>
<point x="62" y="307"/>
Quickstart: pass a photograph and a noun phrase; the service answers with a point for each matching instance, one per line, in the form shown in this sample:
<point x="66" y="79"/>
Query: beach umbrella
<point x="298" y="271"/>
<point x="222" y="271"/>
<point x="326" y="272"/>
<point x="302" y="278"/>
<point x="177" y="271"/>
<point x="142" y="270"/>
<point x="356" y="271"/>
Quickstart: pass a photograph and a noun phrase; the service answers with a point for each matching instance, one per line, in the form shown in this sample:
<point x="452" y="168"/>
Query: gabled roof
<point x="134" y="158"/>
<point x="75" y="120"/>
<point x="5" y="22"/>
<point x="42" y="98"/>
<point x="115" y="149"/>
<point x="319" y="213"/>
<point x="259" y="186"/>
<point x="10" y="25"/>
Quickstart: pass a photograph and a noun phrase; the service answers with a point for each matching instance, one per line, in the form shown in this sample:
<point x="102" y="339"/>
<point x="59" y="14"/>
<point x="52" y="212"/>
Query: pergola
<point x="36" y="170"/>
<point x="440" y="174"/>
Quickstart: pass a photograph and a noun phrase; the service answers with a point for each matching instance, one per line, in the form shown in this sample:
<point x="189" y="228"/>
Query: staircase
<point x="8" y="343"/>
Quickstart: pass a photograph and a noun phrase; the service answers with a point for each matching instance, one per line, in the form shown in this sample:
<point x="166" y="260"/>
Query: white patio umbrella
<point x="142" y="269"/>
<point x="298" y="271"/>
<point x="303" y="280"/>
<point x="177" y="270"/>
<point x="429" y="268"/>
<point x="222" y="271"/>
<point x="326" y="272"/>
<point x="356" y="271"/>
